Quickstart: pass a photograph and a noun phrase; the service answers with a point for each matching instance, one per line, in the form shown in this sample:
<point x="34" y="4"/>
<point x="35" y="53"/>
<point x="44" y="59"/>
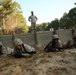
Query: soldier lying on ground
<point x="54" y="45"/>
<point x="22" y="49"/>
<point x="5" y="50"/>
<point x="71" y="43"/>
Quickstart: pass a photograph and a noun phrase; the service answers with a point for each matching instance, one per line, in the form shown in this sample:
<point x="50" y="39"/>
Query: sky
<point x="45" y="10"/>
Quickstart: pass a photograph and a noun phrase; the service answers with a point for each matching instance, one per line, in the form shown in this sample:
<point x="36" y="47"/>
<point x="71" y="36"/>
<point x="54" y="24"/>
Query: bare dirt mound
<point x="41" y="63"/>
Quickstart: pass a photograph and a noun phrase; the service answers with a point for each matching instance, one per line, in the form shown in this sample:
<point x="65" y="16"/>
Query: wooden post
<point x="73" y="31"/>
<point x="35" y="34"/>
<point x="3" y="24"/>
<point x="55" y="31"/>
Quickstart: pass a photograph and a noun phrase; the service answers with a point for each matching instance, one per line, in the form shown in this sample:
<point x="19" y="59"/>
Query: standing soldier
<point x="32" y="18"/>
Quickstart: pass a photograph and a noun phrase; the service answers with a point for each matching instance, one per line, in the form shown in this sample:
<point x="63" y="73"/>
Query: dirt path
<point x="42" y="63"/>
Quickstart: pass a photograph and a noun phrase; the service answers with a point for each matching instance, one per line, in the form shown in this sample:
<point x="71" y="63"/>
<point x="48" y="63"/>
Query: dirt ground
<point x="41" y="63"/>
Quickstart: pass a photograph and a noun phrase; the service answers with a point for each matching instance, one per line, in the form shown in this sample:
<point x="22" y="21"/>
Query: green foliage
<point x="22" y="23"/>
<point x="41" y="27"/>
<point x="72" y="17"/>
<point x="74" y="3"/>
<point x="64" y="21"/>
<point x="30" y="29"/>
<point x="68" y="20"/>
<point x="53" y="24"/>
<point x="12" y="14"/>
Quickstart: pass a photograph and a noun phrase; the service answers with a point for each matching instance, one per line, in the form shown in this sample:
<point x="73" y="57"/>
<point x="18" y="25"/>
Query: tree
<point x="48" y="26"/>
<point x="13" y="16"/>
<point x="72" y="17"/>
<point x="22" y="23"/>
<point x="53" y="24"/>
<point x="74" y="3"/>
<point x="41" y="27"/>
<point x="68" y="20"/>
<point x="38" y="27"/>
<point x="44" y="26"/>
<point x="64" y="21"/>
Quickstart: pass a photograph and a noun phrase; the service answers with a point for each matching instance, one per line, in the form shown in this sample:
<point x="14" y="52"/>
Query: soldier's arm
<point x="69" y="43"/>
<point x="59" y="44"/>
<point x="47" y="46"/>
<point x="36" y="18"/>
<point x="29" y="19"/>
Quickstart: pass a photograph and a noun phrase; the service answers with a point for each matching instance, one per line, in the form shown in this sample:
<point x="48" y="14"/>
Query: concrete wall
<point x="26" y="38"/>
<point x="65" y="35"/>
<point x="6" y="40"/>
<point x="43" y="38"/>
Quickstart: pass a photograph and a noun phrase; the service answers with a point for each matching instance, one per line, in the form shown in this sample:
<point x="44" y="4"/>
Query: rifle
<point x="25" y="51"/>
<point x="47" y="46"/>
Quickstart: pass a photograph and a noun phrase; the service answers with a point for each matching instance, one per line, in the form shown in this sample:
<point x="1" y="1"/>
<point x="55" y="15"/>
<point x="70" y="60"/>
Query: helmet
<point x="18" y="41"/>
<point x="55" y="36"/>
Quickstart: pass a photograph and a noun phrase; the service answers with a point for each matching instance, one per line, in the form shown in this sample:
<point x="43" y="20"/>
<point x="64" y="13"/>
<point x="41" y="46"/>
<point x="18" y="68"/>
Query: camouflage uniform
<point x="24" y="49"/>
<point x="54" y="45"/>
<point x="5" y="50"/>
<point x="71" y="43"/>
<point x="33" y="20"/>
